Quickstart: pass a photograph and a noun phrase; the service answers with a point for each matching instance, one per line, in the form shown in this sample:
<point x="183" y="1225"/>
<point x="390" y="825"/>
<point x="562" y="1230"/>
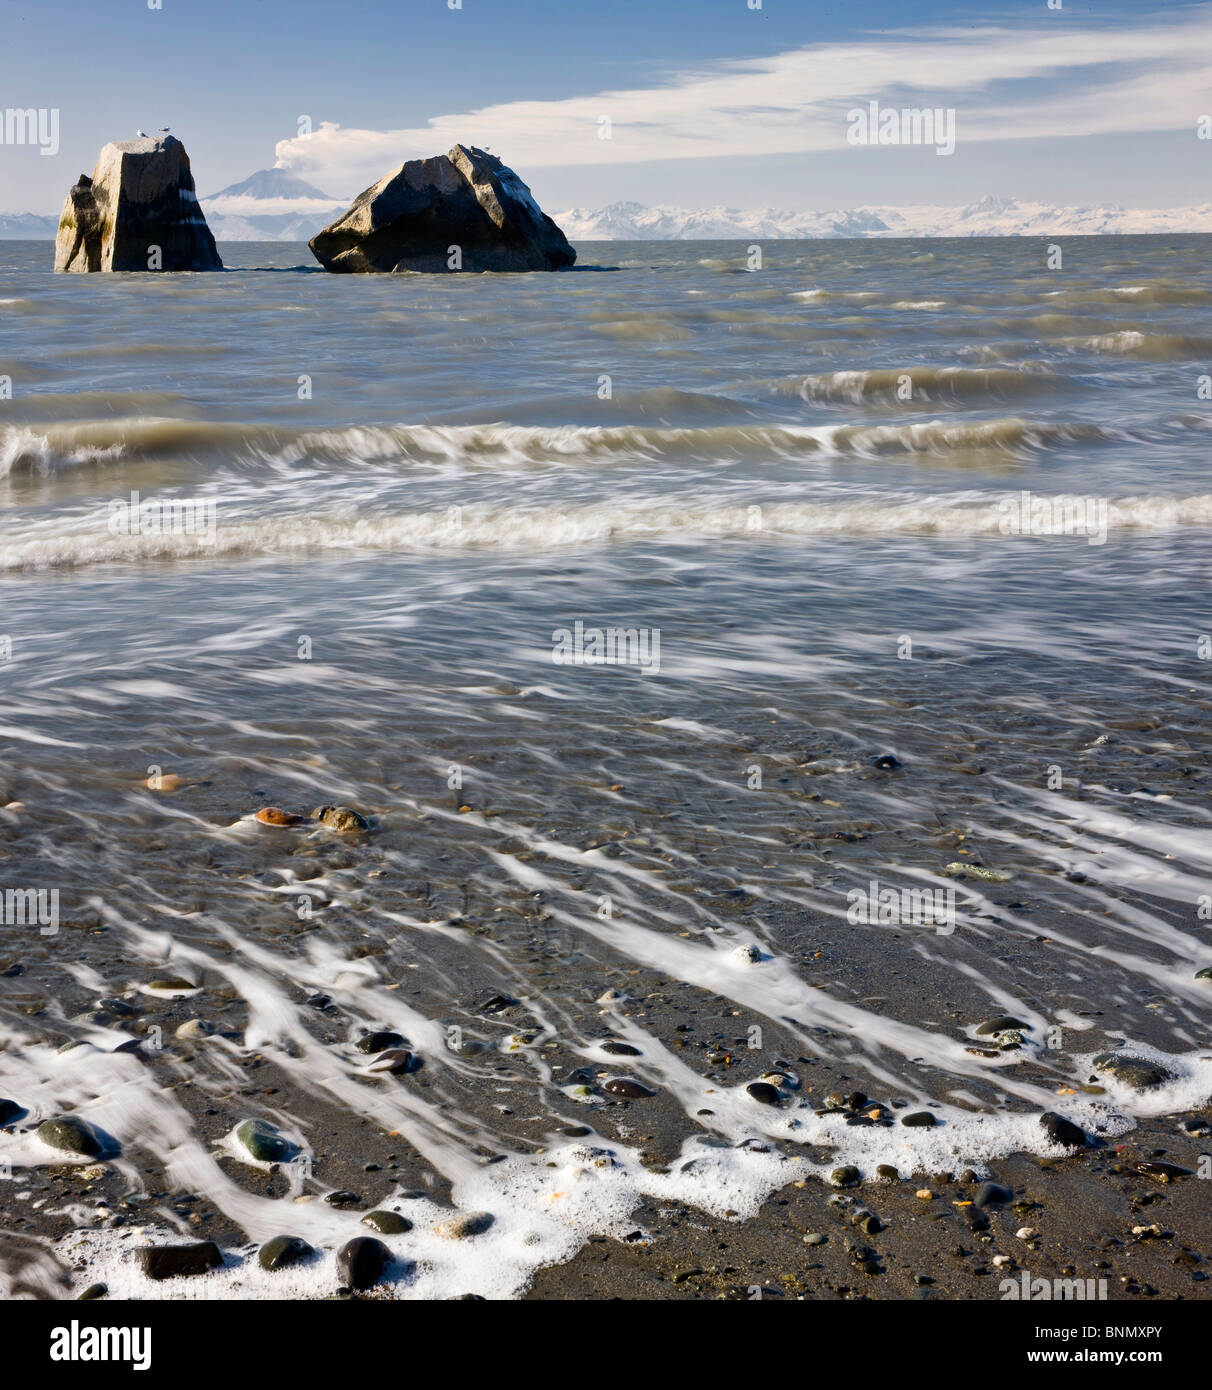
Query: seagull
<point x="163" y="130"/>
<point x="142" y="134"/>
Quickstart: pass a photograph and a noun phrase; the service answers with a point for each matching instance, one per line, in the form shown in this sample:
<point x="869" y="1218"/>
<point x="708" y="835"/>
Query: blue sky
<point x="710" y="101"/>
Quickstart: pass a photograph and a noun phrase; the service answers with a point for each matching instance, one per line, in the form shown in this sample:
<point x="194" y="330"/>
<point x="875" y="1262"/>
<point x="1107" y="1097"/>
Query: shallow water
<point x="809" y="481"/>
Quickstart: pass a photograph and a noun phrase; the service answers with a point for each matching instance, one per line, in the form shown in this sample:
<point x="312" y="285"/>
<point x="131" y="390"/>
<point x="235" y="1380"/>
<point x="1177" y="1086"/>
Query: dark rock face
<point x="466" y="200"/>
<point x="179" y="1261"/>
<point x="141" y="196"/>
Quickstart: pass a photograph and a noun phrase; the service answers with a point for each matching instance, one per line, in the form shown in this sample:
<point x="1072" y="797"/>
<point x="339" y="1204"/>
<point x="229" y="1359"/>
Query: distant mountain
<point x="989" y="217"/>
<point x="270" y="205"/>
<point x="27" y="226"/>
<point x="271" y="183"/>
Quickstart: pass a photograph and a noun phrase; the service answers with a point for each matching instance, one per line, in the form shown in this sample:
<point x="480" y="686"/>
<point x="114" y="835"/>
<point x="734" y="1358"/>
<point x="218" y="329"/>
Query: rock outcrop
<point x="459" y="211"/>
<point x="139" y="211"/>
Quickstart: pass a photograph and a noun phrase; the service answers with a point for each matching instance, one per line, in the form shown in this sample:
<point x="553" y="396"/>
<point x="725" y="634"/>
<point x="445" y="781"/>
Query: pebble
<point x="283" y="1251"/>
<point x="1026" y="1233"/>
<point x="612" y="996"/>
<point x="387" y="1223"/>
<point x="815" y="1238"/>
<point x="343" y="1200"/>
<point x="1132" y="1071"/>
<point x="471" y="1223"/>
<point x="747" y="954"/>
<point x="195" y="1028"/>
<point x="271" y="815"/>
<point x="180" y="1261"/>
<point x="9" y="1110"/>
<point x="1003" y="1023"/>
<point x="1061" y="1131"/>
<point x="340" y="818"/>
<point x="1205" y="973"/>
<point x="73" y="1135"/>
<point x="264" y="1142"/>
<point x="924" y="1194"/>
<point x="991" y="1194"/>
<point x="1164" y="1172"/>
<point x="887" y="1172"/>
<point x="621" y="1049"/>
<point x="919" y="1119"/>
<point x="845" y="1176"/>
<point x="396" y="1061"/>
<point x="94" y="1291"/>
<point x="628" y="1088"/>
<point x="378" y="1042"/>
<point x="886" y="762"/>
<point x="763" y="1092"/>
<point x="957" y="869"/>
<point x="361" y="1262"/>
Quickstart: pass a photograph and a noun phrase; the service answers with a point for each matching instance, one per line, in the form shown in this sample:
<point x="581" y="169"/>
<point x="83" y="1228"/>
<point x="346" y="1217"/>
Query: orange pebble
<point x="270" y="815"/>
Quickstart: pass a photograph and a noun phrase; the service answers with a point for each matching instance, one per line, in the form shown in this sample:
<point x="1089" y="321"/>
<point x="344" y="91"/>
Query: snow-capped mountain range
<point x="275" y="205"/>
<point x="989" y="217"/>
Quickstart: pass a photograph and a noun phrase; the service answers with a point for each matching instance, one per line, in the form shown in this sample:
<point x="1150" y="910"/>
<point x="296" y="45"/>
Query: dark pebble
<point x="1164" y="1172"/>
<point x="763" y="1092"/>
<point x="626" y="1087"/>
<point x="361" y="1261"/>
<point x="378" y="1042"/>
<point x="919" y="1119"/>
<point x="621" y="1049"/>
<point x="180" y="1261"/>
<point x="1062" y="1131"/>
<point x="1002" y="1024"/>
<point x="343" y="1200"/>
<point x="283" y="1251"/>
<point x="991" y="1194"/>
<point x="9" y="1111"/>
<point x="886" y="761"/>
<point x="396" y="1061"/>
<point x="387" y="1223"/>
<point x="93" y="1291"/>
<point x="74" y="1135"/>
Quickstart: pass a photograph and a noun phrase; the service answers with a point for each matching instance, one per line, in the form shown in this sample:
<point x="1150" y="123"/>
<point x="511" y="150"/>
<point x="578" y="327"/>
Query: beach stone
<point x="272" y="815"/>
<point x="1002" y="1024"/>
<point x="887" y="1172"/>
<point x="342" y="1200"/>
<point x="465" y="1224"/>
<point x="172" y="984"/>
<point x="815" y="1238"/>
<point x="387" y="1223"/>
<point x="1061" y="1131"/>
<point x="73" y="1135"/>
<point x="466" y="198"/>
<point x="886" y="762"/>
<point x="283" y="1251"/>
<point x="1164" y="1172"/>
<point x="845" y="1176"/>
<point x="835" y="1101"/>
<point x="1205" y="973"/>
<point x="141" y="195"/>
<point x="93" y="1292"/>
<point x="621" y="1049"/>
<point x="9" y="1110"/>
<point x="340" y="818"/>
<point x="991" y="1194"/>
<point x="1132" y="1071"/>
<point x="395" y="1061"/>
<point x="195" y="1028"/>
<point x="361" y="1262"/>
<point x="919" y="1119"/>
<point x="628" y="1088"/>
<point x="763" y="1092"/>
<point x="378" y="1042"/>
<point x="747" y="955"/>
<point x="264" y="1142"/>
<point x="180" y="1261"/>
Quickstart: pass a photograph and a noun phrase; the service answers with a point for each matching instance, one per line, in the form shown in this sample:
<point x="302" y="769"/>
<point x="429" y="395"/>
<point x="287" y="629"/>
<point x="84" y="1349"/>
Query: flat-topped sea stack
<point x="459" y="211"/>
<point x="139" y="211"/>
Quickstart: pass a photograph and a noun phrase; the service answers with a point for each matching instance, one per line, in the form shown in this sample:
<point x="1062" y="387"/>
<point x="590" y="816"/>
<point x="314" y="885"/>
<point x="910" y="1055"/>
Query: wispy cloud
<point x="1054" y="79"/>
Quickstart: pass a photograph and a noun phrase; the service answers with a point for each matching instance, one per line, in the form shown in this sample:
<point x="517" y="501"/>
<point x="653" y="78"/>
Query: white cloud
<point x="1005" y="84"/>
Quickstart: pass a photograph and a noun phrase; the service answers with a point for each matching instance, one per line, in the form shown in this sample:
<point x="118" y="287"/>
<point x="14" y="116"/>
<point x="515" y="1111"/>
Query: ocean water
<point x="282" y="538"/>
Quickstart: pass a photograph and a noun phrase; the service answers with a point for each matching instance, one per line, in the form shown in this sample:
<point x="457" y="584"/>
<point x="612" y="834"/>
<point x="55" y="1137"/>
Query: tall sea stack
<point x="139" y="211"/>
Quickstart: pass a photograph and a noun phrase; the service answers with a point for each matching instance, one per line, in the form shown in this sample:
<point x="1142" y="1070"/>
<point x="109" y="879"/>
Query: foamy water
<point x="951" y="509"/>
